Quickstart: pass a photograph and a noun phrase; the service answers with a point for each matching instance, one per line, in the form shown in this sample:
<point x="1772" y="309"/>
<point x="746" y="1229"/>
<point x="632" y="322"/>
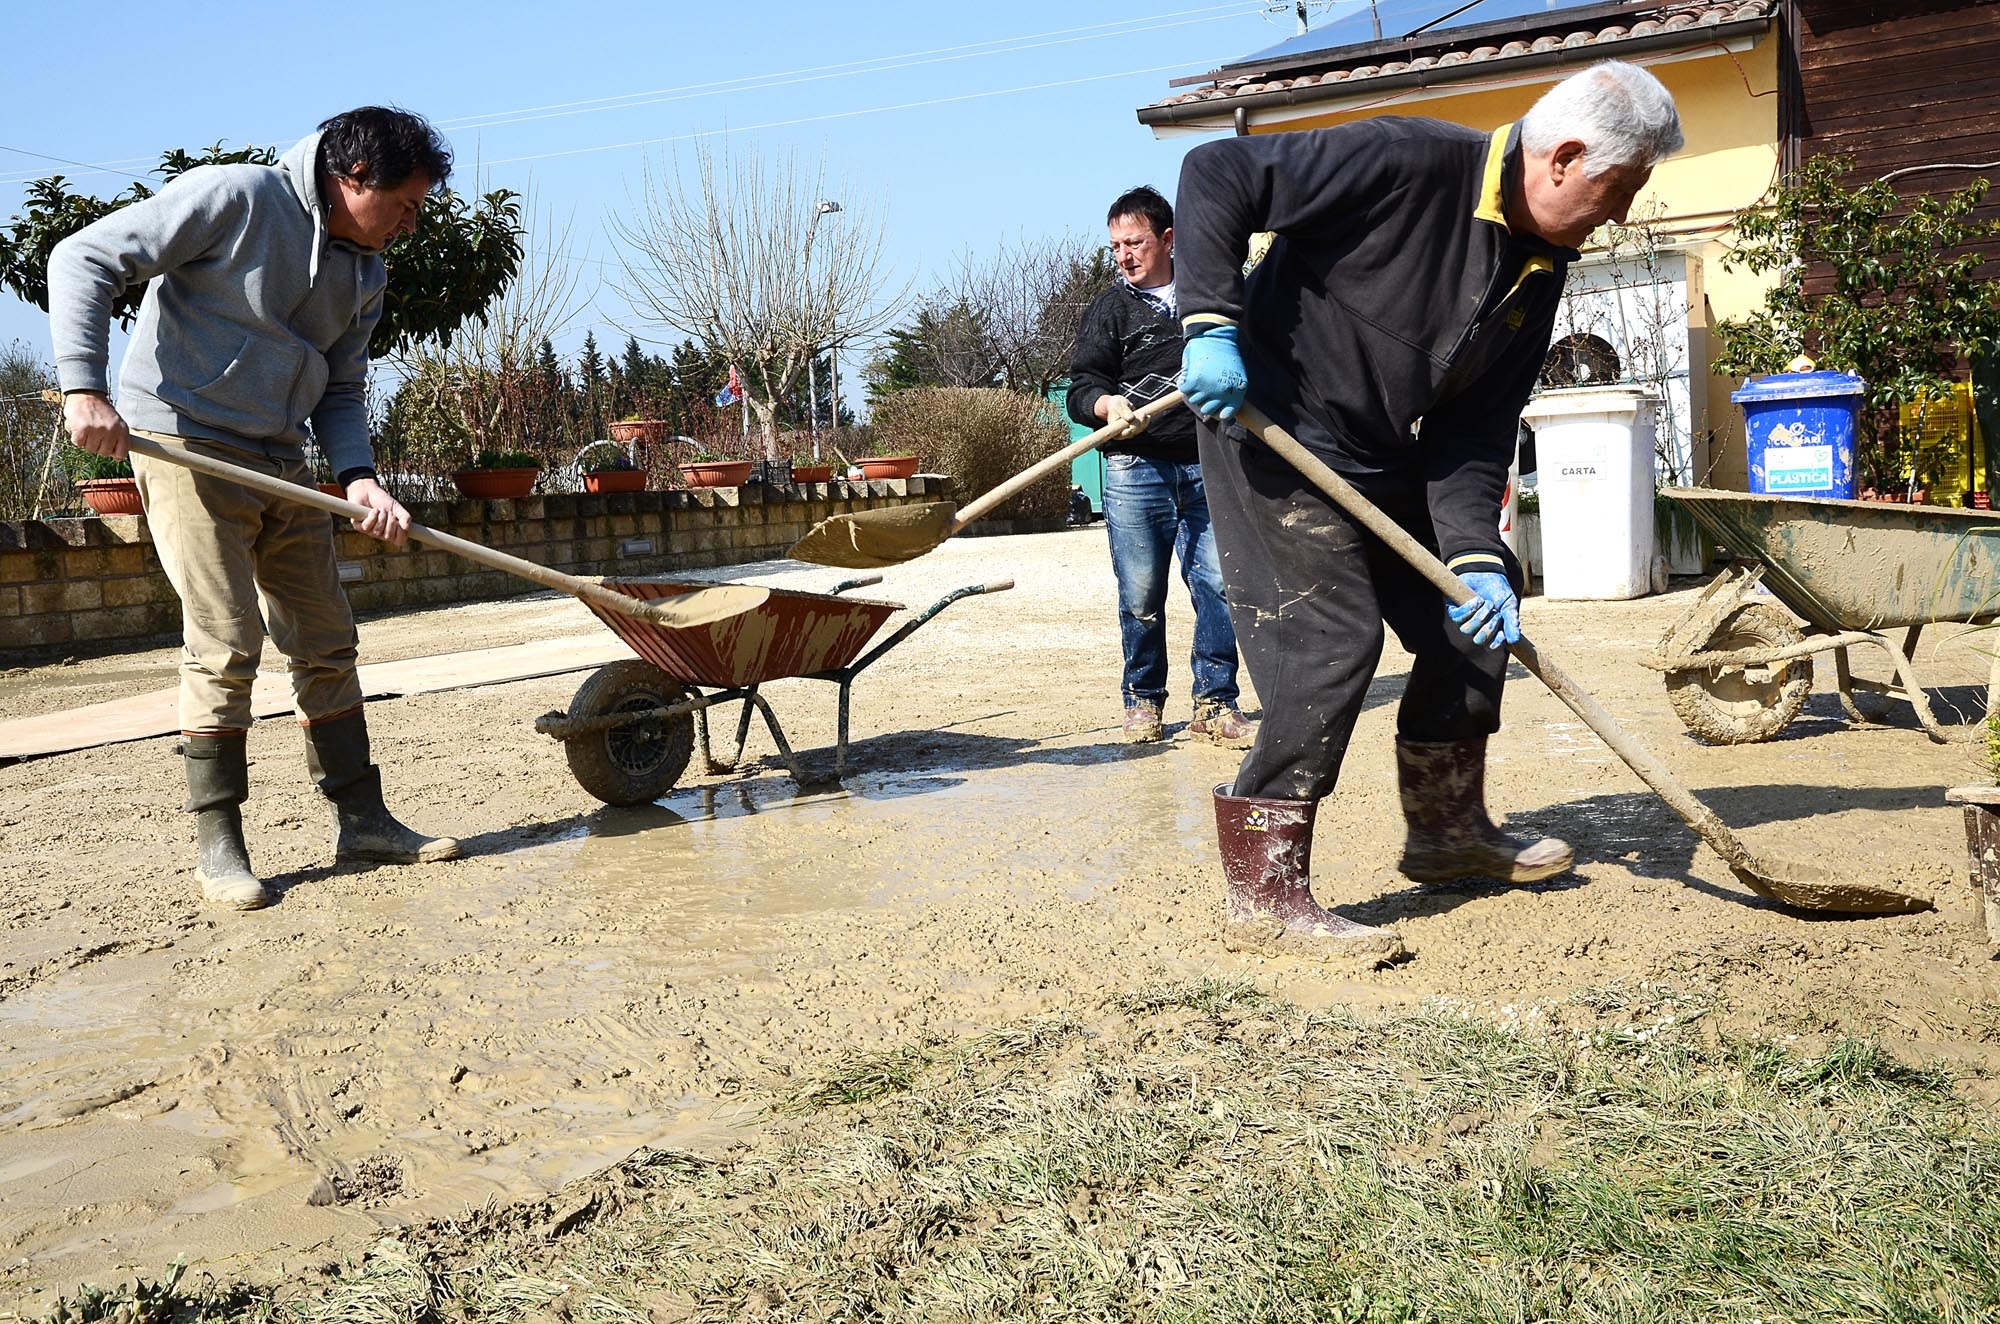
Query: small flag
<point x="732" y="391"/>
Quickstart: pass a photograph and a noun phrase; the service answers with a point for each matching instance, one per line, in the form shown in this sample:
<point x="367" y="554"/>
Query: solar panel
<point x="1352" y="23"/>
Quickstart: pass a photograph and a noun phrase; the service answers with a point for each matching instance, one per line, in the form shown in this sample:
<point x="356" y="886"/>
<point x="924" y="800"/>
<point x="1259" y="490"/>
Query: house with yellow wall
<point x="1721" y="61"/>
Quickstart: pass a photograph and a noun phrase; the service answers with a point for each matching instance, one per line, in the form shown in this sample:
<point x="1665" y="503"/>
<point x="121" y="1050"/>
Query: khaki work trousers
<point x="241" y="562"/>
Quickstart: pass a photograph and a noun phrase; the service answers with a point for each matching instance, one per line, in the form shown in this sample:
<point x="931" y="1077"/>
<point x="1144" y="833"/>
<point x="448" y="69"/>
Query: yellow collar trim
<point x="1492" y="200"/>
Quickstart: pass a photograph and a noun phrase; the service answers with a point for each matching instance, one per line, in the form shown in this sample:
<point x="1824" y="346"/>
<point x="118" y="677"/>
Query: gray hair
<point x="1620" y="113"/>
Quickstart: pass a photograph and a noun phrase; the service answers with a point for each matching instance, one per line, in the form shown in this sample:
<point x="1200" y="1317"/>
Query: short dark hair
<point x="1146" y="203"/>
<point x="387" y="144"/>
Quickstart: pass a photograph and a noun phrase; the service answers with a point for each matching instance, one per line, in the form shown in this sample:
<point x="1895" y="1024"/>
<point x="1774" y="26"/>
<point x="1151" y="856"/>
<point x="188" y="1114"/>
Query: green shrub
<point x="980" y="437"/>
<point x="506" y="460"/>
<point x="87" y="466"/>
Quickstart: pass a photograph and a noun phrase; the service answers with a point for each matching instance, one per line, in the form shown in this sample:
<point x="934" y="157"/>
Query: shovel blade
<point x="1804" y="887"/>
<point x="702" y="606"/>
<point x="872" y="539"/>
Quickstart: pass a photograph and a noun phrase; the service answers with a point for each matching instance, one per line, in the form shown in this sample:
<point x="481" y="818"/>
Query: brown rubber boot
<point x="218" y="779"/>
<point x="363" y="827"/>
<point x="1443" y="788"/>
<point x="1267" y="860"/>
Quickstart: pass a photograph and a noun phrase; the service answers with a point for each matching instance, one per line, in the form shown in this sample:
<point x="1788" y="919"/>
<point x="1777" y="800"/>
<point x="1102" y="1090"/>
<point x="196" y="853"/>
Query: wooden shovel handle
<point x="1110" y="431"/>
<point x="673" y="613"/>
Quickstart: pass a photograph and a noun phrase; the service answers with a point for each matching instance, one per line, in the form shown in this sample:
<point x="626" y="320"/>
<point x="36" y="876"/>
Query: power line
<point x="850" y="69"/>
<point x="95" y="169"/>
<point x="758" y="82"/>
<point x="836" y="115"/>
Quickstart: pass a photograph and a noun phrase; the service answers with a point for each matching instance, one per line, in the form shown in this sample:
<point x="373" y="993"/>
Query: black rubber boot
<point x="1443" y="788"/>
<point x="363" y="827"/>
<point x="1267" y="860"/>
<point x="218" y="778"/>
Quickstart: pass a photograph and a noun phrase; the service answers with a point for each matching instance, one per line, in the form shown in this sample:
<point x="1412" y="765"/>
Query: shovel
<point x="1801" y="887"/>
<point x="701" y="606"/>
<point x="871" y="539"/>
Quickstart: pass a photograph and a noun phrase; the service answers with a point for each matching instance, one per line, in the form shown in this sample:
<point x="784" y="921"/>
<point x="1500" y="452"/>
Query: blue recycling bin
<point x="1801" y="427"/>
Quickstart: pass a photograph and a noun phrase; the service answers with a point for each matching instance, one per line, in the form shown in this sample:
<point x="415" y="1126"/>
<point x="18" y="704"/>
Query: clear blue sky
<point x="965" y="124"/>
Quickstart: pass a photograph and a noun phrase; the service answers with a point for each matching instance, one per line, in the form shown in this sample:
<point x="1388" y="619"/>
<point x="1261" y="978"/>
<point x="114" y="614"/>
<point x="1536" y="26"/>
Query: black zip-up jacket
<point x="1127" y="346"/>
<point x="1396" y="325"/>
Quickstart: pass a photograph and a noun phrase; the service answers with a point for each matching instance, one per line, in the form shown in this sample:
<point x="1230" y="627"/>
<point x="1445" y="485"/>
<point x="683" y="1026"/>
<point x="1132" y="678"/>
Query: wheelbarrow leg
<point x="799" y="774"/>
<point x="840" y="735"/>
<point x="1903" y="659"/>
<point x="707" y="751"/>
<point x="1844" y="674"/>
<point x="743" y="725"/>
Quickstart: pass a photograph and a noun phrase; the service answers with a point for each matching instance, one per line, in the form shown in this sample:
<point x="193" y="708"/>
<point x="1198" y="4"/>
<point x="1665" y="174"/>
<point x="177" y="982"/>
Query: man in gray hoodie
<point x="266" y="285"/>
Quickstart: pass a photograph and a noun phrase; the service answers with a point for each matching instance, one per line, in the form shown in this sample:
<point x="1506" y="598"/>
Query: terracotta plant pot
<point x="812" y="473"/>
<point x="615" y="480"/>
<point x="652" y="431"/>
<point x="495" y="484"/>
<point x="333" y="489"/>
<point x="716" y="473"/>
<point x="112" y="496"/>
<point x="888" y="466"/>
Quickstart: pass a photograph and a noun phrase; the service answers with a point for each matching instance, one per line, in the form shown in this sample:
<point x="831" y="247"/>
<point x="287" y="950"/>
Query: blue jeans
<point x="1155" y="509"/>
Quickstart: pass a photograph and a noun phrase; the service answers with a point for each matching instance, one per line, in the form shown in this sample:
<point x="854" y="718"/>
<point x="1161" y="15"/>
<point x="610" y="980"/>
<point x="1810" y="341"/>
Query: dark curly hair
<point x="1146" y="204"/>
<point x="389" y="146"/>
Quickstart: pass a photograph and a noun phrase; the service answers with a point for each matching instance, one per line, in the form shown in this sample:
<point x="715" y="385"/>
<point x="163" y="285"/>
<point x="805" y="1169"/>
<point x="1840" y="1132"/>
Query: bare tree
<point x="1007" y="318"/>
<point x="482" y="388"/>
<point x="1031" y="295"/>
<point x="753" y="260"/>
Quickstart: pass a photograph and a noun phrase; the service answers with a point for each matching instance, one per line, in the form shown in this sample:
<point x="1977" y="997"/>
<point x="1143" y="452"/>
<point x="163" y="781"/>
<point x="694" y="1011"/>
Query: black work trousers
<point x="1309" y="592"/>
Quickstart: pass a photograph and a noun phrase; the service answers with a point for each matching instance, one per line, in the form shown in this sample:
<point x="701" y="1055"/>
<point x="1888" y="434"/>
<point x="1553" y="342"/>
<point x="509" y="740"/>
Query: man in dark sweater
<point x="1396" y="325"/>
<point x="1128" y="352"/>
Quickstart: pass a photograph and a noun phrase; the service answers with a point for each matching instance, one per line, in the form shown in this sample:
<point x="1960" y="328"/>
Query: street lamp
<point x="826" y="208"/>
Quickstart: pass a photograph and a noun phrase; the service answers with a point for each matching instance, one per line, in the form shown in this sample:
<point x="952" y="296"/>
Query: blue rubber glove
<point x="1212" y="375"/>
<point x="1494" y="617"/>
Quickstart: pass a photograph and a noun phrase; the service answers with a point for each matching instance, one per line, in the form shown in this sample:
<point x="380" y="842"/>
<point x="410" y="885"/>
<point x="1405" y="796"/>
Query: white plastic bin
<point x="1510" y="509"/>
<point x="1594" y="467"/>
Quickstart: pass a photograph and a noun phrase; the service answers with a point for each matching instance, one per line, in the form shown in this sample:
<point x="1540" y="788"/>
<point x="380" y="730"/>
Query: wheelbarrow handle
<point x="996" y="586"/>
<point x="676" y="613"/>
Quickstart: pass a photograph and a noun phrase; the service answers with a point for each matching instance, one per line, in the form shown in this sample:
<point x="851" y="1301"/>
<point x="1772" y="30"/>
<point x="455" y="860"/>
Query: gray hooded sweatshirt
<point x="257" y="320"/>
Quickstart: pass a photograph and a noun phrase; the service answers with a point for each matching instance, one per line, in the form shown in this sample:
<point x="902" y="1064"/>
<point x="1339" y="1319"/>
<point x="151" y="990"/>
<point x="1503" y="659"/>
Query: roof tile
<point x="1644" y="21"/>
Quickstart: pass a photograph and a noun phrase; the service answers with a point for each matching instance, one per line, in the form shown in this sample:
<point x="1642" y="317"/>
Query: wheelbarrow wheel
<point x="641" y="760"/>
<point x="1744" y="706"/>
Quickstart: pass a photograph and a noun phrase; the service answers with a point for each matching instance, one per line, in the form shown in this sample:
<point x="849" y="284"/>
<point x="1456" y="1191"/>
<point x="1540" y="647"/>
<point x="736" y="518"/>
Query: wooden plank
<point x="144" y="716"/>
<point x="1836" y="22"/>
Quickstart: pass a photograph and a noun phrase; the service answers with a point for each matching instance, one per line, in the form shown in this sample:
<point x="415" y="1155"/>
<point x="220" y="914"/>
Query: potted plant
<point x="888" y="466"/>
<point x="1982" y="828"/>
<point x="646" y="431"/>
<point x="707" y="469"/>
<point x="107" y="485"/>
<point x="811" y="473"/>
<point x="607" y="468"/>
<point x="497" y="475"/>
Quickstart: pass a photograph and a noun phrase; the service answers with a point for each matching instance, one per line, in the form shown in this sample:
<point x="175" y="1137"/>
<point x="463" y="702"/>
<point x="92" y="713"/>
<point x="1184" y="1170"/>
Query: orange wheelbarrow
<point x="633" y="725"/>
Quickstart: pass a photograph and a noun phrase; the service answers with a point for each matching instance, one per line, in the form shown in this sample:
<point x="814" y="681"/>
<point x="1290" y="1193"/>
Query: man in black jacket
<point x="1128" y="352"/>
<point x="1396" y="325"/>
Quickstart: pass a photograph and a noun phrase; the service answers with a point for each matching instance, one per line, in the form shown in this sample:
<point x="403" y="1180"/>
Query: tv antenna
<point x="1304" y="9"/>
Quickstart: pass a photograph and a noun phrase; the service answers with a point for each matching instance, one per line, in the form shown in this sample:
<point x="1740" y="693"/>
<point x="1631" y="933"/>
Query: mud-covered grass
<point x="1203" y="1152"/>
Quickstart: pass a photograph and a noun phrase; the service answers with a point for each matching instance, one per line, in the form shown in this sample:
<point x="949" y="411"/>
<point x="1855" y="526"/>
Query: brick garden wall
<point x="74" y="585"/>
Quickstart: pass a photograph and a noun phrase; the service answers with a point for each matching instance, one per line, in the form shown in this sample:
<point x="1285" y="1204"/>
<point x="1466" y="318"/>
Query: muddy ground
<point x="263" y="1092"/>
